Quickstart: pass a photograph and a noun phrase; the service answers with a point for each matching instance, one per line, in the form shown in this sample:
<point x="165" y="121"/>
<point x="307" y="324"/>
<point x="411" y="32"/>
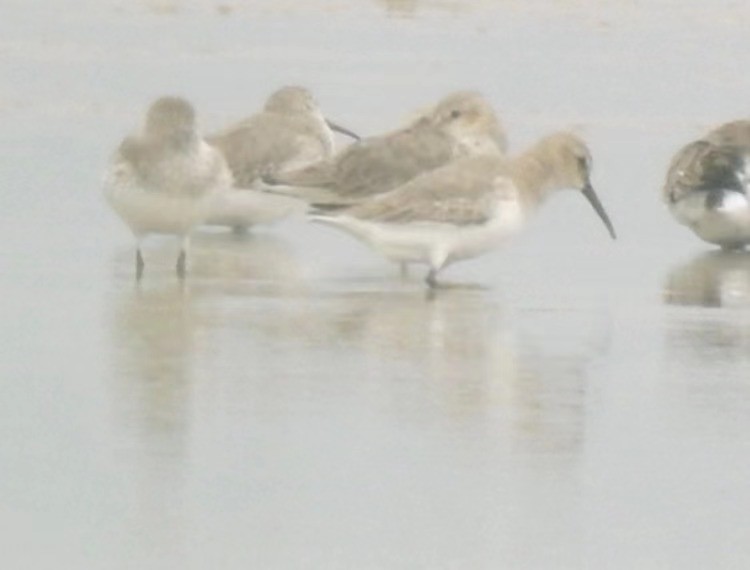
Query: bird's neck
<point x="534" y="175"/>
<point x="181" y="142"/>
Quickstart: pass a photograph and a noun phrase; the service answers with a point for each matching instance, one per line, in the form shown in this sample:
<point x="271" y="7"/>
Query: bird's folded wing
<point x="375" y="165"/>
<point x="461" y="193"/>
<point x="703" y="165"/>
<point x="259" y="146"/>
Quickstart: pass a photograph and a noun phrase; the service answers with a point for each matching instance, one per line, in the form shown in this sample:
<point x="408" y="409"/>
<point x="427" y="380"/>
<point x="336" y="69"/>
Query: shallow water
<point x="567" y="402"/>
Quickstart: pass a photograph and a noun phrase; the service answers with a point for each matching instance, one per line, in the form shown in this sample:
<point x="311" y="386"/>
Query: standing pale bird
<point x="164" y="179"/>
<point x="461" y="124"/>
<point x="707" y="186"/>
<point x="469" y="206"/>
<point x="289" y="133"/>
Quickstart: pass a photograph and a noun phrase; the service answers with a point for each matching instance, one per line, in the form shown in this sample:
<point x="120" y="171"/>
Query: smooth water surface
<point x="566" y="402"/>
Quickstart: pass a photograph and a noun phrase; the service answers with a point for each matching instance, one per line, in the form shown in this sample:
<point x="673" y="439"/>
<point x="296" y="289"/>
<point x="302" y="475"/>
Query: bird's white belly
<point x="439" y="243"/>
<point x="408" y="242"/>
<point x="478" y="240"/>
<point x="148" y="212"/>
<point x="727" y="225"/>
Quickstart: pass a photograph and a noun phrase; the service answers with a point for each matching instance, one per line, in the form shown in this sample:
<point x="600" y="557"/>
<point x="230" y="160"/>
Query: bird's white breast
<point x="727" y="224"/>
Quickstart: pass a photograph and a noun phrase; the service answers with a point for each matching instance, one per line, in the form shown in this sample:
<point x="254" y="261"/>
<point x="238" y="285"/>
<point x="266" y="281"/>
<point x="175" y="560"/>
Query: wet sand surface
<point x="566" y="402"/>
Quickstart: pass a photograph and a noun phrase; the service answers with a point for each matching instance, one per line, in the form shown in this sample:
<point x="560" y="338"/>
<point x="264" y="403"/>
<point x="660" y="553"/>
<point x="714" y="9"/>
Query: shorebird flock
<point x="438" y="190"/>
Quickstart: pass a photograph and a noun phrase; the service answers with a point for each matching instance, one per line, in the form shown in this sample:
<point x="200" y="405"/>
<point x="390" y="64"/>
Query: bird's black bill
<point x="339" y="129"/>
<point x="593" y="199"/>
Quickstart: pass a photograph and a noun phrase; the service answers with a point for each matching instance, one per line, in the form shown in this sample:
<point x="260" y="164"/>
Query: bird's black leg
<point x="139" y="264"/>
<point x="181" y="263"/>
<point x="431" y="278"/>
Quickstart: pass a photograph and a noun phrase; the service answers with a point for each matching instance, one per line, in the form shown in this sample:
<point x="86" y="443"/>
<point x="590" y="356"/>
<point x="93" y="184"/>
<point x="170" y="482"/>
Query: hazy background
<point x="576" y="403"/>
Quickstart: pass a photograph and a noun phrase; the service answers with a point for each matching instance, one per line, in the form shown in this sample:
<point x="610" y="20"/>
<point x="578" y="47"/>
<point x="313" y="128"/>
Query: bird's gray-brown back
<point x="270" y="143"/>
<point x="290" y="132"/>
<point x="713" y="162"/>
<point x="460" y="124"/>
<point x="462" y="192"/>
<point x="378" y="164"/>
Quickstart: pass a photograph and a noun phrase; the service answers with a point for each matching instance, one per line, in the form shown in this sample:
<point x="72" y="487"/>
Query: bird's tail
<point x="321" y="199"/>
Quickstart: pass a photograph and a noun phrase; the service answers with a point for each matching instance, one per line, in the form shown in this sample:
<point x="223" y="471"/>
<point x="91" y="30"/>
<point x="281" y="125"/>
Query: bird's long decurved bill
<point x="344" y="131"/>
<point x="593" y="199"/>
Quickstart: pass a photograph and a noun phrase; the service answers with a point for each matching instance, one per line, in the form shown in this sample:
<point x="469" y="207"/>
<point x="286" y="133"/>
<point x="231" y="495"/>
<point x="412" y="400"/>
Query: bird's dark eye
<point x="584" y="164"/>
<point x="455" y="113"/>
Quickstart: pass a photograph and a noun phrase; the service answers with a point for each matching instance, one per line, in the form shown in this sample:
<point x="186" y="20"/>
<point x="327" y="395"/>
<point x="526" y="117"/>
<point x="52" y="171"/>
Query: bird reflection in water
<point x="153" y="329"/>
<point x="718" y="280"/>
<point x="156" y="324"/>
<point x="713" y="279"/>
<point x="454" y="356"/>
<point x="249" y="257"/>
<point x="164" y="338"/>
<point x="717" y="339"/>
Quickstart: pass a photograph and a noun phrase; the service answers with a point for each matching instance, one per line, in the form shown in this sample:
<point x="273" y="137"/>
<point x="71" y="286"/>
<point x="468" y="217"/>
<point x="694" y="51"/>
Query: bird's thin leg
<point x="437" y="260"/>
<point x="181" y="270"/>
<point x="182" y="258"/>
<point x="431" y="278"/>
<point x="139" y="263"/>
